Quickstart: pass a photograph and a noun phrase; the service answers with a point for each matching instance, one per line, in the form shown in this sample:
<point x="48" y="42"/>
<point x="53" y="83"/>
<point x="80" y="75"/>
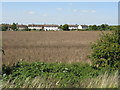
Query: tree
<point x="60" y="27"/>
<point x="104" y="26"/>
<point x="4" y="27"/>
<point x="65" y="27"/>
<point x="94" y="27"/>
<point x="14" y="26"/>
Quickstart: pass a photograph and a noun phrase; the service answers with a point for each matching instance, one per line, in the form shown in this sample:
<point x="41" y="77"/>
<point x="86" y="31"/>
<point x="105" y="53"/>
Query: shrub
<point x="43" y="75"/>
<point x="65" y="75"/>
<point x="106" y="51"/>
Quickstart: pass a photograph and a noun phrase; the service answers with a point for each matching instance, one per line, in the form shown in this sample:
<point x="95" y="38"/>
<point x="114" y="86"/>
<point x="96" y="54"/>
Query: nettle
<point x="106" y="51"/>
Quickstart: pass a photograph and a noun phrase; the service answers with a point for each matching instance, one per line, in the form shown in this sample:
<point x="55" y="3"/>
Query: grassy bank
<point x="58" y="75"/>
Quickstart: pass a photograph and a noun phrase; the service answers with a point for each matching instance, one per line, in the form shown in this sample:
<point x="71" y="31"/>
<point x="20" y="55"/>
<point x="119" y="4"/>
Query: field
<point x="45" y="51"/>
<point x="48" y="46"/>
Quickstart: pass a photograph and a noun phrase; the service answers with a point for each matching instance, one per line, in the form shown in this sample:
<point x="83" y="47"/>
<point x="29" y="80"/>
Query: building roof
<point x="84" y="25"/>
<point x="50" y="25"/>
<point x="73" y="25"/>
<point x="21" y="25"/>
<point x="34" y="25"/>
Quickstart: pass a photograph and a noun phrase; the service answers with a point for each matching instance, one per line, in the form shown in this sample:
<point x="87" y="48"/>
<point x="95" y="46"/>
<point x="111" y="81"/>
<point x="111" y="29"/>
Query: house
<point x="37" y="27"/>
<point x="51" y="27"/>
<point x="73" y="26"/>
<point x="22" y="27"/>
<point x="83" y="27"/>
<point x="78" y="26"/>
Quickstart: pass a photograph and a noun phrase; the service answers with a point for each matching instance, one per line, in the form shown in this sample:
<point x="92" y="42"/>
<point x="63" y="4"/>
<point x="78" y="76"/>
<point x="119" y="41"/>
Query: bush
<point x="106" y="51"/>
<point x="68" y="75"/>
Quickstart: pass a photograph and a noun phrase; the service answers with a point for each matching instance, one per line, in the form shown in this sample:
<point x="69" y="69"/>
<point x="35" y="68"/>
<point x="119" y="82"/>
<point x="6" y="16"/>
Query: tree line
<point x="102" y="27"/>
<point x="65" y="27"/>
<point x="5" y="27"/>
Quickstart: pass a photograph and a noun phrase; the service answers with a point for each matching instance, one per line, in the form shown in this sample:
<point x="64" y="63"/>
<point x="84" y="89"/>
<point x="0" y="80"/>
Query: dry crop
<point x="50" y="46"/>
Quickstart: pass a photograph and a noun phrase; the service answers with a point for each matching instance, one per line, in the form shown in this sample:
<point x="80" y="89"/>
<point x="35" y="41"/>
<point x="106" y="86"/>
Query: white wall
<point x="21" y="28"/>
<point x="35" y="27"/>
<point x="80" y="27"/>
<point x="51" y="28"/>
<point x="73" y="27"/>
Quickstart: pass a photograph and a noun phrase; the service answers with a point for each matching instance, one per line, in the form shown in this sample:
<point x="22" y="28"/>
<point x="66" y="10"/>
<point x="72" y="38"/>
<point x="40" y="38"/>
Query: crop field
<point x="50" y="46"/>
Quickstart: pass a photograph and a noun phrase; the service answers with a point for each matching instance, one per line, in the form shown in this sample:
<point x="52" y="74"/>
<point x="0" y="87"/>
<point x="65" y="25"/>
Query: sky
<point x="60" y="12"/>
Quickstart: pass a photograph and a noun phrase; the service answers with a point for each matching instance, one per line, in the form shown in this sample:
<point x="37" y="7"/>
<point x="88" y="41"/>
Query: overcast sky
<point x="60" y="12"/>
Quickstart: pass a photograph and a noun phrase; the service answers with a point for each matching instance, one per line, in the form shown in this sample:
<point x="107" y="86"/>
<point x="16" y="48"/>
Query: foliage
<point x="60" y="27"/>
<point x="102" y="27"/>
<point x="14" y="26"/>
<point x="102" y="81"/>
<point x="26" y="29"/>
<point x="68" y="75"/>
<point x="65" y="27"/>
<point x="106" y="51"/>
<point x="93" y="27"/>
<point x="4" y="27"/>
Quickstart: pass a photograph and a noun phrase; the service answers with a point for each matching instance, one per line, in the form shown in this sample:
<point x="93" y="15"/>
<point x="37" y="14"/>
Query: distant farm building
<point x="51" y="27"/>
<point x="73" y="26"/>
<point x="21" y="27"/>
<point x="33" y="26"/>
<point x="83" y="27"/>
<point x="78" y="27"/>
<point x="45" y="27"/>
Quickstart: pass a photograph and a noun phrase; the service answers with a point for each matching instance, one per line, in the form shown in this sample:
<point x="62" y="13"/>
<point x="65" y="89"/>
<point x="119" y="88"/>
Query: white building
<point x="33" y="26"/>
<point x="51" y="27"/>
<point x="73" y="26"/>
<point x="78" y="27"/>
<point x="83" y="27"/>
<point x="21" y="27"/>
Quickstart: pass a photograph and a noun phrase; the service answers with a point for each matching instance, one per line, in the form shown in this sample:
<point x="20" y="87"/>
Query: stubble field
<point x="48" y="46"/>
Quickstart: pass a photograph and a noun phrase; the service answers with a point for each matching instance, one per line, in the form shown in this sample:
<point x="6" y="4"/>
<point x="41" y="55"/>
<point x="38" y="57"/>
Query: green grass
<point x="57" y="75"/>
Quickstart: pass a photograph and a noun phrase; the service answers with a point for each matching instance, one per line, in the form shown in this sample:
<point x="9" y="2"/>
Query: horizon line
<point x="55" y="24"/>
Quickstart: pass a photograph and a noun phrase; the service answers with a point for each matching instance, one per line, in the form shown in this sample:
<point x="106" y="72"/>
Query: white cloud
<point x="31" y="12"/>
<point x="93" y="11"/>
<point x="59" y="9"/>
<point x="88" y="11"/>
<point x="70" y="4"/>
<point x="45" y="15"/>
<point x="75" y="10"/>
<point x="84" y="11"/>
